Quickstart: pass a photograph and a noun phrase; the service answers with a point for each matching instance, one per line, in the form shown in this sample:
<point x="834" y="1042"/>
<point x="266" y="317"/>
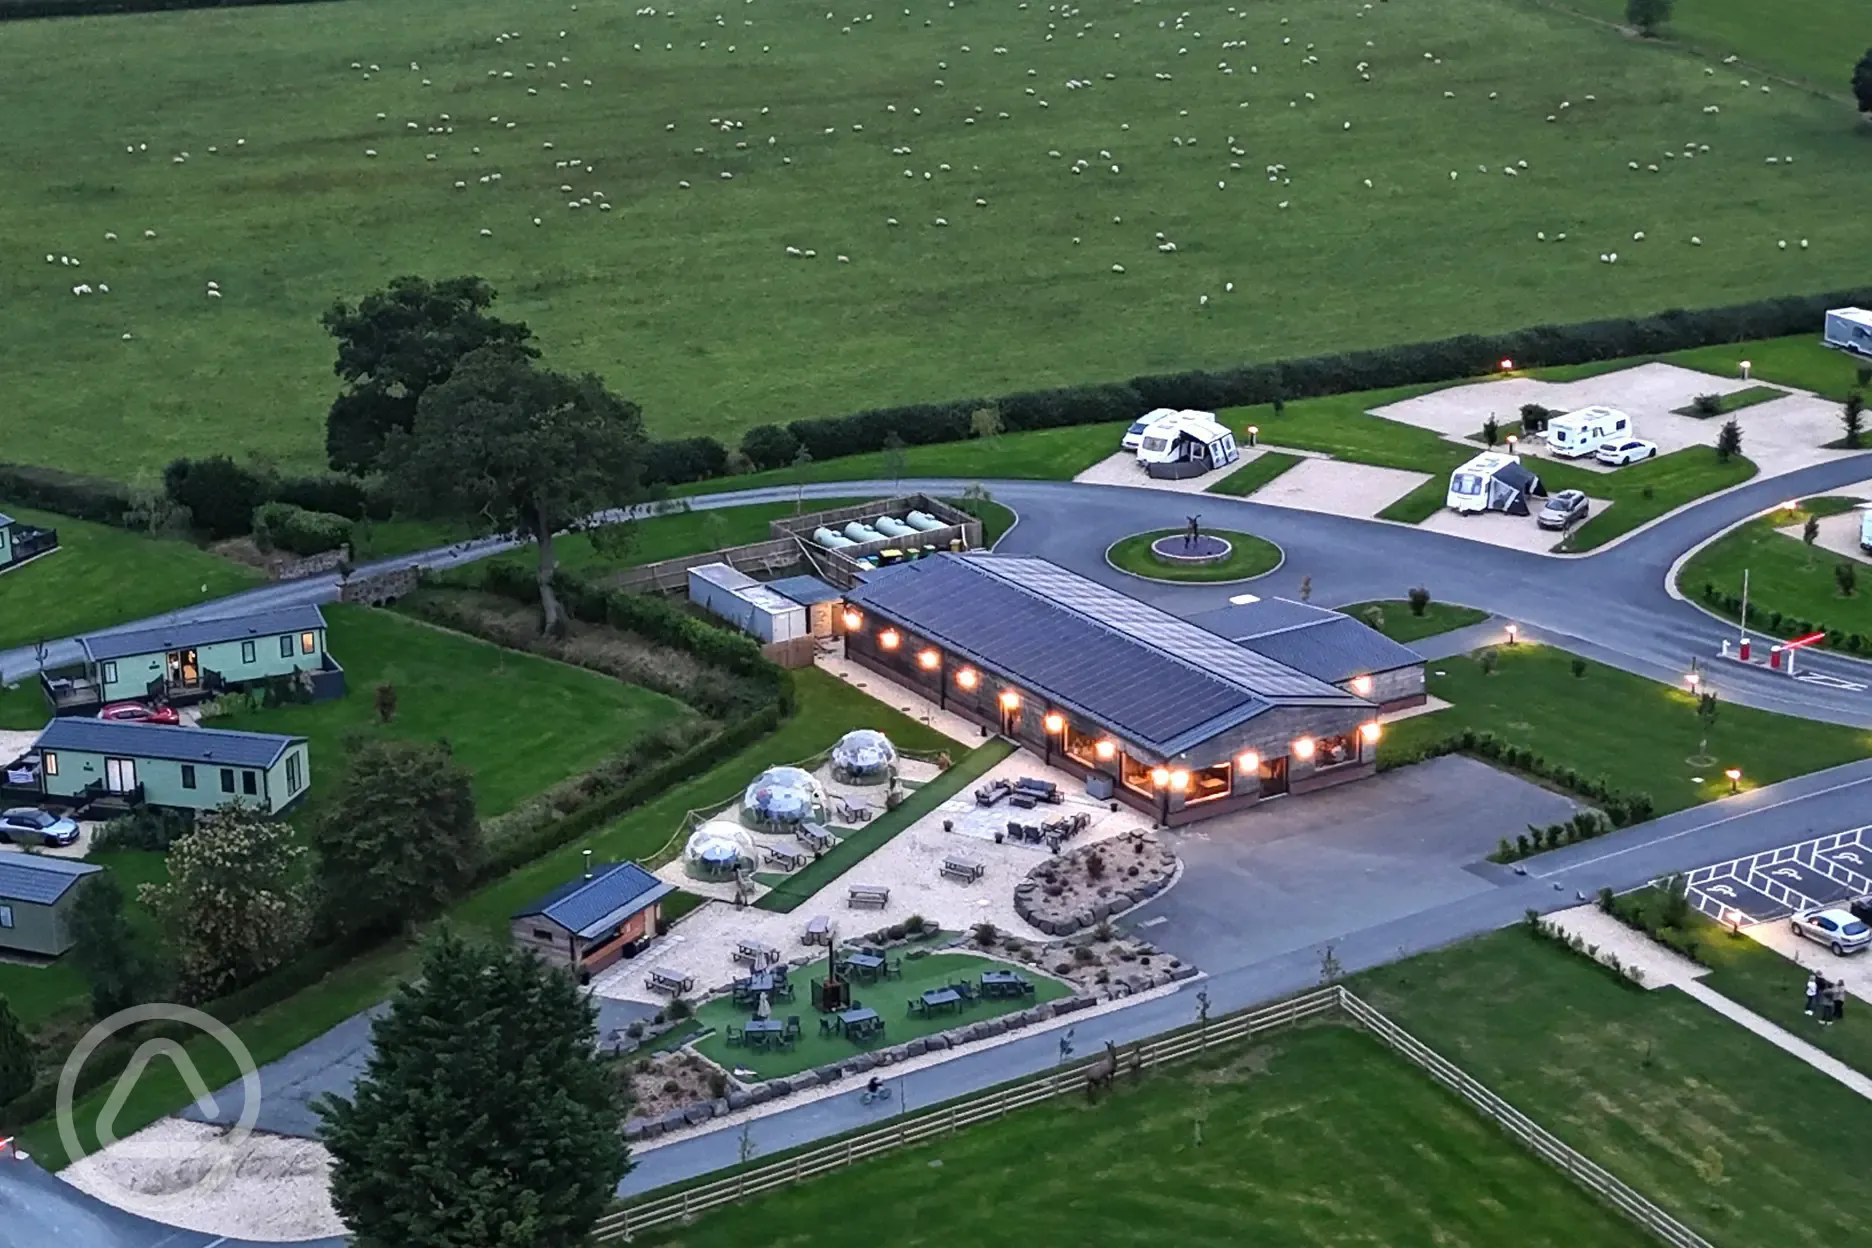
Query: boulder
<point x="832" y="1072"/>
<point x="1183" y="972"/>
<point x="863" y="1062"/>
<point x="802" y="1081"/>
<point x="634" y="1128"/>
<point x="761" y="1093"/>
<point x="699" y="1112"/>
<point x="672" y="1120"/>
<point x="936" y="1042"/>
<point x="915" y="1047"/>
<point x="737" y="1099"/>
<point x="993" y="1026"/>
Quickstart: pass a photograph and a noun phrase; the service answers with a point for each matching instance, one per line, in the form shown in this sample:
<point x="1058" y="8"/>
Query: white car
<point x="1837" y="929"/>
<point x="1625" y="451"/>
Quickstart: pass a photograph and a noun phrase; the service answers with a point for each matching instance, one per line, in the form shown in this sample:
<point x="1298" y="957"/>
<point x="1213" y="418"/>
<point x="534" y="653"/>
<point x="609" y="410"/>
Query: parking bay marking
<point x="1831" y="682"/>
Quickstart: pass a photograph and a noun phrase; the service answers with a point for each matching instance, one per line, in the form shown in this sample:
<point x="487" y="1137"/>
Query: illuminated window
<point x="51" y="764"/>
<point x="308" y="643"/>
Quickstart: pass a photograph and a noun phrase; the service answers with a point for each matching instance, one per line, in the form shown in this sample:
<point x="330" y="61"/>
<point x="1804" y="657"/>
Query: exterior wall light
<point x="1010" y="701"/>
<point x="1055" y="722"/>
<point x="1303" y="748"/>
<point x="1160" y="777"/>
<point x="1179" y="780"/>
<point x="966" y="678"/>
<point x="889" y="638"/>
<point x="1362" y="685"/>
<point x="1248" y="763"/>
<point x="1371" y="731"/>
<point x="929" y="660"/>
<point x="1105" y="750"/>
<point x="853" y="619"/>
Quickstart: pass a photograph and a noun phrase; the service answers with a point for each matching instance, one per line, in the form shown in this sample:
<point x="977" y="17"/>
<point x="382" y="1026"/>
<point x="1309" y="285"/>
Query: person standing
<point x="1839" y="1000"/>
<point x="1813" y="992"/>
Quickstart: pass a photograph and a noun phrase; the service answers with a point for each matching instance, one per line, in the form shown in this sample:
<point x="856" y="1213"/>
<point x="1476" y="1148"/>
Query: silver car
<point x="1837" y="929"/>
<point x="1563" y="510"/>
<point x="28" y="825"/>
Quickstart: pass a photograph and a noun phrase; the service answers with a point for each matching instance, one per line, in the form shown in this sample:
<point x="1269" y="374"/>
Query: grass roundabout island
<point x="1246" y="556"/>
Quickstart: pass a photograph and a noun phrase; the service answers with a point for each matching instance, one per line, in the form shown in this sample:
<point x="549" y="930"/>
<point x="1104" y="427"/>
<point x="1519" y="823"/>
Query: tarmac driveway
<point x="1306" y="870"/>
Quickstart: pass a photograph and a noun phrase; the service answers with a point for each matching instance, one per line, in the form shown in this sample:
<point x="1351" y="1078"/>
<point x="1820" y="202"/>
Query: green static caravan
<point x="37" y="893"/>
<point x="20" y="541"/>
<point x="158" y="765"/>
<point x="189" y="661"/>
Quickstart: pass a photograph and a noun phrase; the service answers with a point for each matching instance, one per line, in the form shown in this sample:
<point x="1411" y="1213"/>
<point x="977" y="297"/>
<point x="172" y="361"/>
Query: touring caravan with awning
<point x="1494" y="481"/>
<point x="1186" y="445"/>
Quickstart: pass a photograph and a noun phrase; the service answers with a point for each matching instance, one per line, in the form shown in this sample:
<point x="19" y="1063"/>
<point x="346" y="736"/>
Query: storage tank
<point x="890" y="526"/>
<point x="923" y="521"/>
<point x="859" y="531"/>
<point x="830" y="540"/>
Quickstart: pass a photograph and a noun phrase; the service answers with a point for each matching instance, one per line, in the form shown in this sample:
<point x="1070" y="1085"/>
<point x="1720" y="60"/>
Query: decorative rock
<point x="830" y="1073"/>
<point x="863" y="1062"/>
<point x="699" y="1112"/>
<point x="673" y="1119"/>
<point x="804" y="1080"/>
<point x="737" y="1099"/>
<point x="915" y="1047"/>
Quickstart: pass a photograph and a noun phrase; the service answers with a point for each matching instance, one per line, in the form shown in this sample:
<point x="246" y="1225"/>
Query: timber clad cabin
<point x="591" y="922"/>
<point x="37" y="893"/>
<point x="20" y="541"/>
<point x="1159" y="712"/>
<point x="79" y="760"/>
<point x="188" y="662"/>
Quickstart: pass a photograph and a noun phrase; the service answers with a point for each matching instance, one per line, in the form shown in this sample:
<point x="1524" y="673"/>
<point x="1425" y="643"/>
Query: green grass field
<point x="1810" y="39"/>
<point x="1718" y="1126"/>
<point x="1254" y="474"/>
<point x="1636" y="733"/>
<point x="101" y="576"/>
<point x="888" y="997"/>
<point x="1786" y="576"/>
<point x="519" y="723"/>
<point x="687" y="300"/>
<point x="1401" y="625"/>
<point x="1250" y="556"/>
<point x="1311" y="1138"/>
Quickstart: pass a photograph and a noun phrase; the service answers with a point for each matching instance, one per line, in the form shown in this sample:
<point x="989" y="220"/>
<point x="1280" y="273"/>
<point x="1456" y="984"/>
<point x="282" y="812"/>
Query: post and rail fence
<point x="681" y="1206"/>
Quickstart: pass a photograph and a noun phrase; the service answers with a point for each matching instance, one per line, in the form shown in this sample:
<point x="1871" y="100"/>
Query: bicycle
<point x="867" y="1096"/>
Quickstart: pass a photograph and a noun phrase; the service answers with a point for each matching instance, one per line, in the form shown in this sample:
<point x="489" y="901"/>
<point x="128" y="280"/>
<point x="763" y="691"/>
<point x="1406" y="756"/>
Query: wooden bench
<point x="662" y="979"/>
<point x="867" y="897"/>
<point x="968" y="870"/>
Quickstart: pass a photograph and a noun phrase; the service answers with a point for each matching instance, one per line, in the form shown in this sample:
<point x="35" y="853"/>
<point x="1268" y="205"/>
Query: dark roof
<point x="1327" y="644"/>
<point x="1519" y="477"/>
<point x="806" y="590"/>
<point x="183" y="745"/>
<point x="40" y="879"/>
<point x="1161" y="681"/>
<point x="614" y="892"/>
<point x="5" y="519"/>
<point x="165" y="637"/>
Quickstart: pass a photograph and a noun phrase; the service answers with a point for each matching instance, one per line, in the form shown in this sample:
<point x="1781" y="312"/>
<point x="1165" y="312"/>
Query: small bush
<point x="986" y="934"/>
<point x="1707" y="405"/>
<point x="1095" y="866"/>
<point x="671" y="1087"/>
<point x="678" y="1009"/>
<point x="1578" y="668"/>
<point x="1084" y="955"/>
<point x="1419" y="600"/>
<point x="717" y="1084"/>
<point x="282" y="526"/>
<point x="1488" y="660"/>
<point x="915" y="924"/>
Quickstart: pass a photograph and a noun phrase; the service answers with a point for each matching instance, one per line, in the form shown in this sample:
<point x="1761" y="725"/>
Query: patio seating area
<point x="950" y="988"/>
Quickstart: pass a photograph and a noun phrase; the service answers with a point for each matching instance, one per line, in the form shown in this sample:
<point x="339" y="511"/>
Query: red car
<point x="137" y="713"/>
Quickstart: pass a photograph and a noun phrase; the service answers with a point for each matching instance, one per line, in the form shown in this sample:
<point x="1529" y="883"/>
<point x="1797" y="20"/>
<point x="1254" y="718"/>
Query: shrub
<point x="682" y="460"/>
<point x="1095" y="866"/>
<point x="1534" y="417"/>
<point x="678" y="1009"/>
<point x="717" y="1084"/>
<point x="915" y="924"/>
<point x="1488" y="660"/>
<point x="1846" y="578"/>
<point x="1707" y="405"/>
<point x="1374" y="618"/>
<point x="67" y="493"/>
<point x="333" y="494"/>
<point x="1419" y="600"/>
<point x="284" y="526"/>
<point x="1729" y="440"/>
<point x="1578" y="668"/>
<point x="771" y="446"/>
<point x="1083" y="955"/>
<point x="986" y="934"/>
<point x="220" y="494"/>
<point x="146" y="827"/>
<point x="1491" y="431"/>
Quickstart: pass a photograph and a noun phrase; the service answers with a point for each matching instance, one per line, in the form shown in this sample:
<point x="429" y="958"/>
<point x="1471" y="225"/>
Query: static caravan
<point x="1585" y="431"/>
<point x="187" y="662"/>
<point x="746" y="603"/>
<point x="1494" y="481"/>
<point x="1865" y="526"/>
<point x="1850" y="329"/>
<point x="1135" y="434"/>
<point x="183" y="768"/>
<point x="1186" y="445"/>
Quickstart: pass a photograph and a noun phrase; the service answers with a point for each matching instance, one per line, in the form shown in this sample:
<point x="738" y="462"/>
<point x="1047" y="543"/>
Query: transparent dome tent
<point x="863" y="756"/>
<point x="716" y="851"/>
<point x="781" y="799"/>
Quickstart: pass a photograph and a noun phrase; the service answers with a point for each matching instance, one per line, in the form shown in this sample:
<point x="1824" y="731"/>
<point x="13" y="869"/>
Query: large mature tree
<point x="398" y="838"/>
<point x="1862" y="82"/>
<point x="232" y="906"/>
<point x="16" y="1056"/>
<point x="484" y="1119"/>
<point x="1647" y="15"/>
<point x="393" y="345"/>
<point x="119" y="962"/>
<point x="508" y="446"/>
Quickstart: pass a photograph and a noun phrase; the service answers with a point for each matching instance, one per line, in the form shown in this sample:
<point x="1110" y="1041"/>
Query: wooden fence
<point x="679" y="1207"/>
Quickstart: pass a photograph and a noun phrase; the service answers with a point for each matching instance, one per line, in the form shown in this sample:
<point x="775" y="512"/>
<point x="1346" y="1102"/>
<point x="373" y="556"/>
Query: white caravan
<point x="1493" y="481"/>
<point x="1585" y="431"/>
<point x="1135" y="434"/>
<point x="1186" y="444"/>
<point x="1850" y="329"/>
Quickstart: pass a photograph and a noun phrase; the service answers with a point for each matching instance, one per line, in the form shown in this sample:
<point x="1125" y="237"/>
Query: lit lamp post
<point x="1735" y="779"/>
<point x="1254" y="434"/>
<point x="1511" y="443"/>
<point x="1055" y="724"/>
<point x="1160" y="780"/>
<point x="1694" y="680"/>
<point x="1514" y="631"/>
<point x="1010" y="707"/>
<point x="1746" y="366"/>
<point x="1507" y="366"/>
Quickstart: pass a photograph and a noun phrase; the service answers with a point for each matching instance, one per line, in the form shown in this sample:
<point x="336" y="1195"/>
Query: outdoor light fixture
<point x="1248" y="762"/>
<point x="1160" y="777"/>
<point x="1361" y="685"/>
<point x="1179" y="780"/>
<point x="1511" y="442"/>
<point x="1507" y="366"/>
<point x="889" y="638"/>
<point x="1746" y="366"/>
<point x="1010" y="701"/>
<point x="966" y="678"/>
<point x="1371" y="731"/>
<point x="1790" y="505"/>
<point x="1735" y="779"/>
<point x="1105" y="750"/>
<point x="1055" y="722"/>
<point x="929" y="660"/>
<point x="1303" y="748"/>
<point x="1254" y="433"/>
<point x="1693" y="679"/>
<point x="853" y="620"/>
<point x="1514" y="631"/>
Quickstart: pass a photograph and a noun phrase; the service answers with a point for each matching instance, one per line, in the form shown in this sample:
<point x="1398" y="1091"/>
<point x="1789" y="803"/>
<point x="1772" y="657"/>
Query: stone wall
<point x="1083" y="902"/>
<point x="311" y="565"/>
<point x="380" y="589"/>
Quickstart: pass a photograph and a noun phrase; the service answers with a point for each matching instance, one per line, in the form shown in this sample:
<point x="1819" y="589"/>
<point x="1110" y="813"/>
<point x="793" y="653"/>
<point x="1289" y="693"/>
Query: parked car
<point x="28" y="825"/>
<point x="1862" y="909"/>
<point x="1563" y="510"/>
<point x="1837" y="929"/>
<point x="137" y="713"/>
<point x="1627" y="451"/>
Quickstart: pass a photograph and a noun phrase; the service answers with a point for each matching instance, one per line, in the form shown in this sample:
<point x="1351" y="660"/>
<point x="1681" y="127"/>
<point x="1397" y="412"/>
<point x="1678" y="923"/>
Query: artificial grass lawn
<point x="101" y="576"/>
<point x="519" y="723"/>
<point x="793" y="891"/>
<point x="1308" y="1137"/>
<point x="887" y="997"/>
<point x="1254" y="474"/>
<point x="1400" y="625"/>
<point x="1251" y="556"/>
<point x="1734" y="401"/>
<point x="1809" y="40"/>
<point x="686" y="299"/>
<point x="1634" y="732"/>
<point x="1786" y="576"/>
<point x="1713" y="1123"/>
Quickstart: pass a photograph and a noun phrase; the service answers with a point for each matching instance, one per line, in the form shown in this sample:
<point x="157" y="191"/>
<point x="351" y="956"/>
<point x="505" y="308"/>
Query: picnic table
<point x="870" y="965"/>
<point x="756" y="953"/>
<point x="859" y="1023"/>
<point x="787" y="859"/>
<point x="941" y="999"/>
<point x="1004" y="984"/>
<point x="663" y="979"/>
<point x="868" y="895"/>
<point x="968" y="870"/>
<point x="764" y="1031"/>
<point x="819" y="930"/>
<point x="754" y="985"/>
<point x="815" y="835"/>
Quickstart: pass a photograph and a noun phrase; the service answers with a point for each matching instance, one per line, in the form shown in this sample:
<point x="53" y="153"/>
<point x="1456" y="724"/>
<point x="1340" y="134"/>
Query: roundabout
<point x="1177" y="555"/>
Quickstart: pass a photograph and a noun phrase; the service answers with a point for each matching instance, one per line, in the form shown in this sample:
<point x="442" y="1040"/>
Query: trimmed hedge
<point x="67" y="493"/>
<point x="1623" y="809"/>
<point x="682" y="460"/>
<point x="1785" y="625"/>
<point x="15" y="10"/>
<point x="220" y="494"/>
<point x="282" y="526"/>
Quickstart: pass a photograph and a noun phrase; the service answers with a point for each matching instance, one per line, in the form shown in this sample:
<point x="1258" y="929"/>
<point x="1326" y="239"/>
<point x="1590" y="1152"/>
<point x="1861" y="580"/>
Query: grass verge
<point x="1789" y="581"/>
<point x="1733" y="402"/>
<point x="1644" y="491"/>
<point x="1399" y="624"/>
<point x="1251" y="556"/>
<point x="1254" y="474"/>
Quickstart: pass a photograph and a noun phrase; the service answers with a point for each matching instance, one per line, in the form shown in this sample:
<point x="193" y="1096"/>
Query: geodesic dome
<point x="863" y="756"/>
<point x="717" y="850"/>
<point x="783" y="798"/>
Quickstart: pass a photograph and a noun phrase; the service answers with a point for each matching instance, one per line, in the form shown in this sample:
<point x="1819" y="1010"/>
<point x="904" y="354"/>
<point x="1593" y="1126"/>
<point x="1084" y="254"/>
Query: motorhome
<point x="1585" y="431"/>
<point x="1186" y="445"/>
<point x="1493" y="481"/>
